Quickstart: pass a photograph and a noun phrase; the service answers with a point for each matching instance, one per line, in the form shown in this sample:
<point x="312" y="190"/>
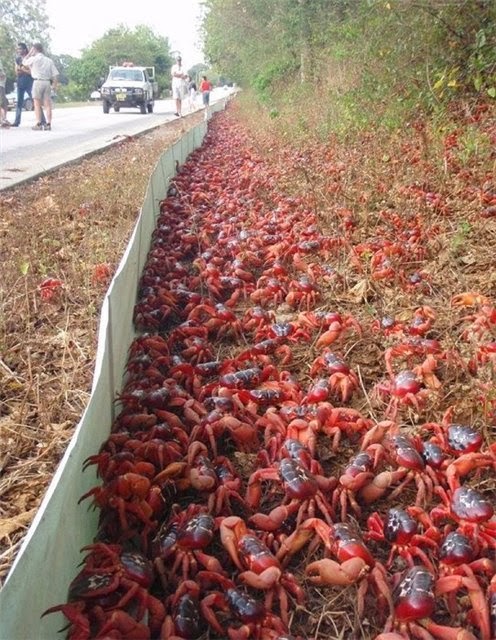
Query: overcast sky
<point x="76" y="24"/>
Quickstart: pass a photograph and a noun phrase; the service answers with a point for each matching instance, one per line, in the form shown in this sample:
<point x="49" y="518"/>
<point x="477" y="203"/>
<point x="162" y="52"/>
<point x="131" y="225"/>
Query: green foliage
<point x="268" y="77"/>
<point x="473" y="146"/>
<point x="370" y="63"/>
<point x="21" y="21"/>
<point x="139" y="45"/>
<point x="461" y="237"/>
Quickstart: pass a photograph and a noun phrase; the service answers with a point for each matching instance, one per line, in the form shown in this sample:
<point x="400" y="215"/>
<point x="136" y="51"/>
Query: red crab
<point x="178" y="547"/>
<point x="302" y="294"/>
<point x="262" y="352"/>
<point x="250" y="619"/>
<point x="411" y="349"/>
<point x="49" y="288"/>
<point x="184" y="619"/>
<point x="269" y="290"/>
<point x="400" y="530"/>
<point x="259" y="568"/>
<point x="410" y="467"/>
<point x="458" y="568"/>
<point x="404" y="390"/>
<point x="455" y="439"/>
<point x="256" y="318"/>
<point x="414" y="605"/>
<point x="472" y="512"/>
<point x="215" y="477"/>
<point x="112" y="579"/>
<point x="135" y="499"/>
<point x="338" y="421"/>
<point x="219" y="320"/>
<point x="354" y="563"/>
<point x="304" y="494"/>
<point x="357" y="474"/>
<point x="342" y="380"/>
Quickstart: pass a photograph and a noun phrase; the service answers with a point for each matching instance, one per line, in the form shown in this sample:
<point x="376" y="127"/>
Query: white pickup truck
<point x="129" y="86"/>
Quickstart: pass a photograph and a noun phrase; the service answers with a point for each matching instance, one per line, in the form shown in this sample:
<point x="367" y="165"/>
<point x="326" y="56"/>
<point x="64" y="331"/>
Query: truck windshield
<point x="126" y="74"/>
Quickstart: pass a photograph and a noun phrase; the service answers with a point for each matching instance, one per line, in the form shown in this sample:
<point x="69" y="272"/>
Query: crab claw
<point x="469" y="299"/>
<point x="380" y="484"/>
<point x="328" y="572"/>
<point x="265" y="580"/>
<point x="450" y="633"/>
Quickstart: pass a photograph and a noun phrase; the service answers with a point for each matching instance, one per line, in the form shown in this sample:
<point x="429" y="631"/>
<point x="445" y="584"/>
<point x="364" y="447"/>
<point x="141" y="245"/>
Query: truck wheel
<point x="116" y="108"/>
<point x="106" y="106"/>
<point x="150" y="107"/>
<point x="143" y="107"/>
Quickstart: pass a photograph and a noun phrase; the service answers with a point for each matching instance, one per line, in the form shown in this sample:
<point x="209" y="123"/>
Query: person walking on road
<point x="45" y="78"/>
<point x="206" y="88"/>
<point x="24" y="83"/>
<point x="178" y="84"/>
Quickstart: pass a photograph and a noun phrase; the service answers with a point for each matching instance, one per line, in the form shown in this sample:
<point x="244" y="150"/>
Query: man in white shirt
<point x="45" y="78"/>
<point x="178" y="84"/>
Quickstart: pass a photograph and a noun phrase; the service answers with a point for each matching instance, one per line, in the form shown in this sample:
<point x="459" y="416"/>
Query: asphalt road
<point x="76" y="132"/>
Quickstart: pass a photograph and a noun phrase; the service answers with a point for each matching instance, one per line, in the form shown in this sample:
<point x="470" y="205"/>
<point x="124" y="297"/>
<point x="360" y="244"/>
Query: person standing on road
<point x="178" y="84"/>
<point x="191" y="93"/>
<point x="24" y="82"/>
<point x="4" y="103"/>
<point x="45" y="78"/>
<point x="206" y="88"/>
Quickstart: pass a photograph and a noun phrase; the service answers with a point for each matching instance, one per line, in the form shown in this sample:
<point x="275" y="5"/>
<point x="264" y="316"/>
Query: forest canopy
<point x="427" y="50"/>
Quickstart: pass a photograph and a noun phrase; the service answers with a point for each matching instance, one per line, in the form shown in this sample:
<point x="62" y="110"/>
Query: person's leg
<point x="30" y="94"/>
<point x="37" y="100"/>
<point x="37" y="112"/>
<point x="47" y="106"/>
<point x="20" y="101"/>
<point x="206" y="99"/>
<point x="3" y="116"/>
<point x="37" y="109"/>
<point x="43" y="119"/>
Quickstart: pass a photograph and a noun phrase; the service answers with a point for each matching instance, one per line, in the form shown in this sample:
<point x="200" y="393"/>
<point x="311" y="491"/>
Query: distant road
<point x="76" y="132"/>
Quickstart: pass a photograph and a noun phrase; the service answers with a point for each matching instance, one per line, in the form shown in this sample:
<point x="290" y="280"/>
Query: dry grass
<point x="72" y="225"/>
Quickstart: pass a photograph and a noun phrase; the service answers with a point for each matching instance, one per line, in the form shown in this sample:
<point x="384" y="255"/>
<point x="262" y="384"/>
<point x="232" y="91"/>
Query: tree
<point x="427" y="50"/>
<point x="261" y="43"/>
<point x="21" y="21"/>
<point x="140" y="45"/>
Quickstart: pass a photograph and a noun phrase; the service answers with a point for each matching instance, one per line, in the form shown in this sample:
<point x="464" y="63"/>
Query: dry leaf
<point x="60" y="426"/>
<point x="358" y="293"/>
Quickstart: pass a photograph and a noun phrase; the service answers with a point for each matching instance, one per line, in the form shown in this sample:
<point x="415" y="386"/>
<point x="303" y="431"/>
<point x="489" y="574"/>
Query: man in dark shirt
<point x="24" y="82"/>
